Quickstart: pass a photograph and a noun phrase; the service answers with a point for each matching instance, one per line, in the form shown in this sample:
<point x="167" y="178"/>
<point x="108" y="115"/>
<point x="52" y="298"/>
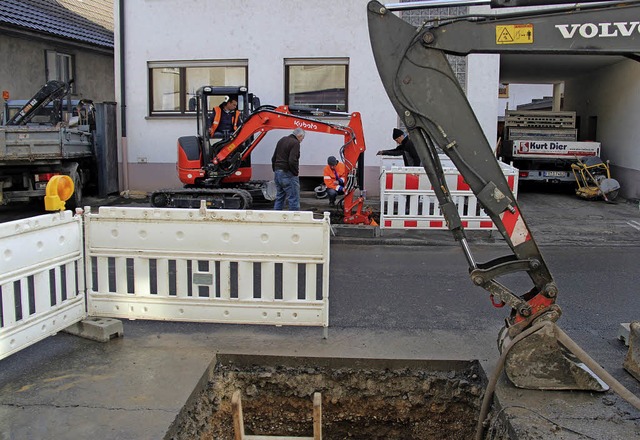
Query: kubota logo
<point x="599" y="30"/>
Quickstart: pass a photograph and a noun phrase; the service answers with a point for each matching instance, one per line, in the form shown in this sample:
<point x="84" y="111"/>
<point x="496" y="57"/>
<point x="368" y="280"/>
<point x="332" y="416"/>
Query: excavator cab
<point x="196" y="152"/>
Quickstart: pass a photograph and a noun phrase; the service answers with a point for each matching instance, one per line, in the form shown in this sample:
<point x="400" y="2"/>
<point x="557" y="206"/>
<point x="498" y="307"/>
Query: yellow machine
<point x="594" y="179"/>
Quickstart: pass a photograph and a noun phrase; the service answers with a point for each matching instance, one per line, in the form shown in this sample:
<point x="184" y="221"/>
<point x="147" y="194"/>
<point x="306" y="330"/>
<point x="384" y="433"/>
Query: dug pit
<point x="361" y="398"/>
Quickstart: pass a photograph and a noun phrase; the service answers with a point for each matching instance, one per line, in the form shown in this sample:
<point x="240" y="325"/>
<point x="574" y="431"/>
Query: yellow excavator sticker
<point x="514" y="34"/>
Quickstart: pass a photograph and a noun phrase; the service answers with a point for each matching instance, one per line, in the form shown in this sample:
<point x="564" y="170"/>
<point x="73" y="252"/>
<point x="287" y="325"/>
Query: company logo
<point x="599" y="30"/>
<point x="303" y="124"/>
<point x="532" y="146"/>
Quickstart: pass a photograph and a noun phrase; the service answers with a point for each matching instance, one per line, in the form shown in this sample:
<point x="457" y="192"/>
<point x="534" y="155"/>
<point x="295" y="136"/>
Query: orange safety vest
<point x="331" y="176"/>
<point x="217" y="114"/>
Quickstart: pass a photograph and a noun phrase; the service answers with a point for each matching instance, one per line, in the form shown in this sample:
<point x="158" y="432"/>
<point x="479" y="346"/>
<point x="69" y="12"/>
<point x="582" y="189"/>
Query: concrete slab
<point x="623" y="332"/>
<point x="632" y="360"/>
<point x="97" y="329"/>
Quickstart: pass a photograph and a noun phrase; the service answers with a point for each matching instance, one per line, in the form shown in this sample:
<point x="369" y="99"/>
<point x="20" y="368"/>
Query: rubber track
<point x="190" y="198"/>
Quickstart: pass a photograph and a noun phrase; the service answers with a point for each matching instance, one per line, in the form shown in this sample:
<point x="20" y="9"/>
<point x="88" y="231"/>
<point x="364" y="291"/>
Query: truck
<point x="429" y="100"/>
<point x="52" y="134"/>
<point x="543" y="145"/>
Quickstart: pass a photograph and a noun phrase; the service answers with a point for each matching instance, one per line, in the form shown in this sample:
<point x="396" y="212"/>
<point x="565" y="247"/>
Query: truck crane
<point x="425" y="93"/>
<point x="218" y="169"/>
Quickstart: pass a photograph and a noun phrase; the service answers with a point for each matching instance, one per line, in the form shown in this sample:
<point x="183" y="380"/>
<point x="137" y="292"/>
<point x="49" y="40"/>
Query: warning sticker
<point x="514" y="34"/>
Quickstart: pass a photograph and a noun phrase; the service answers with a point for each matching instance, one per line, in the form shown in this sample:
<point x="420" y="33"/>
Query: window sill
<point x="172" y="116"/>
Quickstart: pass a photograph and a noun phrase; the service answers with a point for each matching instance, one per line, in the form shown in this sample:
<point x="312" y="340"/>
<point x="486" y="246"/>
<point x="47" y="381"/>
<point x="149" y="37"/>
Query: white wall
<point x="614" y="100"/>
<point x="265" y="32"/>
<point x="483" y="74"/>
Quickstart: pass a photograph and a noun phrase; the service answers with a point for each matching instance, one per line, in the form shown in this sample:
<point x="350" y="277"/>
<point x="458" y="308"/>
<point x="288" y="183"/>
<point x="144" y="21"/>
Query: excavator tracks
<point x="191" y="197"/>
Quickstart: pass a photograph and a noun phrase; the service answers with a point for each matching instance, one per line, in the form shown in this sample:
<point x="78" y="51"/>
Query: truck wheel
<point x="76" y="198"/>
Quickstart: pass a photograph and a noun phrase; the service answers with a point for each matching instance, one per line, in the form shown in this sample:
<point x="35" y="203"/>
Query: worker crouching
<point x="335" y="176"/>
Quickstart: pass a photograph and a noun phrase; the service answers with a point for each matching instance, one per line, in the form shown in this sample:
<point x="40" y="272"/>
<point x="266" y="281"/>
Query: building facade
<point x="62" y="40"/>
<point x="311" y="54"/>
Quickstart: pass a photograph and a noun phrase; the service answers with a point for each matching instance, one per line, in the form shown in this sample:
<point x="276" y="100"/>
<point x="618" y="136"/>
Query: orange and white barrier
<point x="407" y="199"/>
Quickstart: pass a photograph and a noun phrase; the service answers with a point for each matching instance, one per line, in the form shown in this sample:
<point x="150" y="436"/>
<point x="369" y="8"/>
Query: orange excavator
<point x="217" y="169"/>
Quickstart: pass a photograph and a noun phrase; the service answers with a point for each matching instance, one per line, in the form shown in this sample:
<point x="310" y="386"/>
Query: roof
<point x="87" y="21"/>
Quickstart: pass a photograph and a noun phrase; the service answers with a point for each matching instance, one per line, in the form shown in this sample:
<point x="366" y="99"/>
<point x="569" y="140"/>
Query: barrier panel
<point x="218" y="266"/>
<point x="41" y="279"/>
<point x="407" y="199"/>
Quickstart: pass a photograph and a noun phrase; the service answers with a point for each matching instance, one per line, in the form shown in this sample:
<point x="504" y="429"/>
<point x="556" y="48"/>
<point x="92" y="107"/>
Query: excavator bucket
<point x="541" y="362"/>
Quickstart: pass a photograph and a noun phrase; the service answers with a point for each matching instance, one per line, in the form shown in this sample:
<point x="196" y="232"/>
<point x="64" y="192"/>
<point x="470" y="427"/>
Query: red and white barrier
<point x="407" y="199"/>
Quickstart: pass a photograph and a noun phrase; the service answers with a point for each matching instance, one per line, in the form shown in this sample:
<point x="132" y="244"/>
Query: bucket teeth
<point x="541" y="362"/>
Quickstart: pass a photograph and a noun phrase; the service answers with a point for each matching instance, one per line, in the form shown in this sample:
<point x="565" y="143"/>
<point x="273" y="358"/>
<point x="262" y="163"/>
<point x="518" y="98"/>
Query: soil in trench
<point x="357" y="403"/>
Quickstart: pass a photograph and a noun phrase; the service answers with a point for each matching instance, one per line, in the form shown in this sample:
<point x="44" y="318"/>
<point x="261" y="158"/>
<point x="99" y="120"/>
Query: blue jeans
<point x="332" y="193"/>
<point x="288" y="189"/>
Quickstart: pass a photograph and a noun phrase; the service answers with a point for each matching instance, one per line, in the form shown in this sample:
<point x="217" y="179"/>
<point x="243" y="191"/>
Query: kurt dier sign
<point x="548" y="149"/>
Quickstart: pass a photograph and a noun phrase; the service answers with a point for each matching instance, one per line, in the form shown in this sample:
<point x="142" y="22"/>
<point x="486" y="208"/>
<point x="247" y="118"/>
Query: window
<point x="318" y="83"/>
<point x="61" y="67"/>
<point x="172" y="85"/>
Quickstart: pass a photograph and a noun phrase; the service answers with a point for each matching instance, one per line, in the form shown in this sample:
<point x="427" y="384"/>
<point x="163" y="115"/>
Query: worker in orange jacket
<point x="225" y="118"/>
<point x="335" y="178"/>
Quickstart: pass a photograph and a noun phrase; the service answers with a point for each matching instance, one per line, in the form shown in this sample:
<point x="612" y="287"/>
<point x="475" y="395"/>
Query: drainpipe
<point x="123" y="101"/>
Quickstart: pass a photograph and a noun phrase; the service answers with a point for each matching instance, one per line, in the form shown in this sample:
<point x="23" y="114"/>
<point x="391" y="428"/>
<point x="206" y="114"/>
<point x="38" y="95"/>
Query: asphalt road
<point x="426" y="288"/>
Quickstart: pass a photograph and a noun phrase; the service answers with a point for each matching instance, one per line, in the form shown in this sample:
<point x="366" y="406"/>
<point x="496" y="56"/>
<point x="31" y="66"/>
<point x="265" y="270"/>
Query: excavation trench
<point x="361" y="398"/>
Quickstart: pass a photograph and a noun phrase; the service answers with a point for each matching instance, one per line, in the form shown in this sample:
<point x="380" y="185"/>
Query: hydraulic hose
<point x="491" y="386"/>
<point x="565" y="340"/>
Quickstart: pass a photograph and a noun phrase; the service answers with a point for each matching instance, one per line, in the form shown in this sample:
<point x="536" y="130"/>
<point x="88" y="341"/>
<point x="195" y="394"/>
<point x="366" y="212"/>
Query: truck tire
<point x="76" y="198"/>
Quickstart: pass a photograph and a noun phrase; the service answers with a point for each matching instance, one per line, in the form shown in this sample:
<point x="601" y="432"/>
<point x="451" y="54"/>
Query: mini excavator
<point x="218" y="169"/>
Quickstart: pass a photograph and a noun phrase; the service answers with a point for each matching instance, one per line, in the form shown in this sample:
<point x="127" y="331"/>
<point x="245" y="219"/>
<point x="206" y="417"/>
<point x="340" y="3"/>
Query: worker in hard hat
<point x="335" y="178"/>
<point x="225" y="118"/>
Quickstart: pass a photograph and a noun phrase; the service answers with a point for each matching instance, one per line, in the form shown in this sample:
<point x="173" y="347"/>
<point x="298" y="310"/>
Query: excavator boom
<point x="426" y="94"/>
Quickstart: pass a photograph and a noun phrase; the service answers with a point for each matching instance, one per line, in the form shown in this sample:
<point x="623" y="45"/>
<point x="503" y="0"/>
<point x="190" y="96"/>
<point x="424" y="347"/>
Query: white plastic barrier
<point x="407" y="199"/>
<point x="41" y="279"/>
<point x="219" y="266"/>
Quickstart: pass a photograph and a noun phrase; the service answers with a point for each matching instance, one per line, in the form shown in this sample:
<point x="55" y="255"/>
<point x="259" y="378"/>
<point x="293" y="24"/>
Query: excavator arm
<point x="429" y="100"/>
<point x="229" y="153"/>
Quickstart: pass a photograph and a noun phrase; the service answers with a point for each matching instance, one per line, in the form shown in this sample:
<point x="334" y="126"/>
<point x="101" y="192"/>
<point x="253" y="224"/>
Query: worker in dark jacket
<point x="285" y="164"/>
<point x="225" y="118"/>
<point x="405" y="148"/>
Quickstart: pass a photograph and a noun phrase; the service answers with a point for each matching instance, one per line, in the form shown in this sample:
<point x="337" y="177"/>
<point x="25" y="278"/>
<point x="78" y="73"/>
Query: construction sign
<point x="514" y="34"/>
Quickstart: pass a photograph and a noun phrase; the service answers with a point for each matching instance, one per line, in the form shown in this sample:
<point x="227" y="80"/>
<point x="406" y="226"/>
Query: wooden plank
<point x="238" y="423"/>
<point x="274" y="437"/>
<point x="317" y="416"/>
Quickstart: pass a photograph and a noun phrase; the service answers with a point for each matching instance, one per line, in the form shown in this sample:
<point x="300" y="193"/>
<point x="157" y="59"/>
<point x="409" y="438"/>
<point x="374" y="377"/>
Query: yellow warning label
<point x="514" y="34"/>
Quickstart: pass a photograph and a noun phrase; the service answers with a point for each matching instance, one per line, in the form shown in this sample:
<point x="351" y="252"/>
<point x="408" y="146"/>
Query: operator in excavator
<point x="225" y="118"/>
<point x="405" y="148"/>
<point x="335" y="176"/>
